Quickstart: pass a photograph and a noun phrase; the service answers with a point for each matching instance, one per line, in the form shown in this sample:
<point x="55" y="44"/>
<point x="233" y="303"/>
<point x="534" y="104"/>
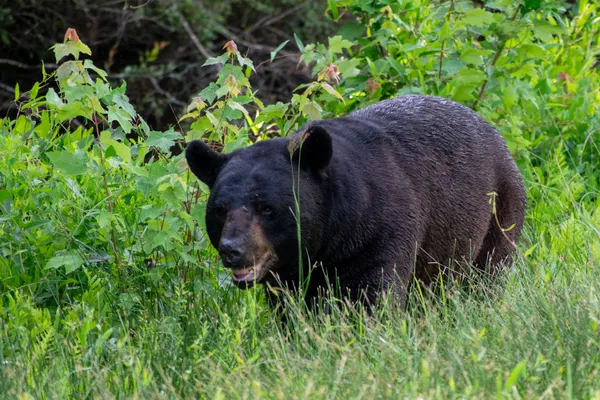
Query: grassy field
<point x="533" y="334"/>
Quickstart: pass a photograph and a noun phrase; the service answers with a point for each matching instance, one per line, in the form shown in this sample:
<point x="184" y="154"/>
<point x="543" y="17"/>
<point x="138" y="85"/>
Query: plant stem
<point x="493" y="63"/>
<point x="108" y="200"/>
<point x="444" y="40"/>
<point x="441" y="60"/>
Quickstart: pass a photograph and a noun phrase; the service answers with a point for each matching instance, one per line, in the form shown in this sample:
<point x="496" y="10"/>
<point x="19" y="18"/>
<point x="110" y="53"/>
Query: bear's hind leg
<point x="504" y="228"/>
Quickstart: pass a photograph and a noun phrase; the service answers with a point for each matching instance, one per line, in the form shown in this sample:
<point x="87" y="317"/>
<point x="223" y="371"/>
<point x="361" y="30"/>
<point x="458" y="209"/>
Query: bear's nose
<point x="232" y="251"/>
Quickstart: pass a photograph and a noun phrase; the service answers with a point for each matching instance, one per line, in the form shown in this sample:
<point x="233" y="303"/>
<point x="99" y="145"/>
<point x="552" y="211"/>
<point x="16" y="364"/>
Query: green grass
<point x="535" y="333"/>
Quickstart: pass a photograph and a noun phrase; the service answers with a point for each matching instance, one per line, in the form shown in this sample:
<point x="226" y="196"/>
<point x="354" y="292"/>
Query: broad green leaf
<point x="471" y="76"/>
<point x="198" y="213"/>
<point x="88" y="64"/>
<point x="143" y="126"/>
<point x="222" y="91"/>
<point x="463" y="92"/>
<point x="230" y="70"/>
<point x="163" y="239"/>
<point x="452" y="67"/>
<point x="71" y="260"/>
<point x="64" y="49"/>
<point x="17" y="92"/>
<point x="123" y="101"/>
<point x="351" y="30"/>
<point x="105" y="138"/>
<point x="77" y="92"/>
<point x="103" y="219"/>
<point x="74" y="110"/>
<point x="474" y="56"/>
<point x="70" y="48"/>
<point x="543" y="30"/>
<point x="479" y="17"/>
<point x="272" y="111"/>
<point x="121" y="116"/>
<point x="53" y="99"/>
<point x="299" y="100"/>
<point x="312" y="110"/>
<point x="70" y="163"/>
<point x="543" y="86"/>
<point x="193" y="114"/>
<point x="222" y="59"/>
<point x="509" y="97"/>
<point x="230" y="114"/>
<point x="70" y="72"/>
<point x="245" y="100"/>
<point x="149" y="212"/>
<point x="236" y="144"/>
<point x="162" y="140"/>
<point x="200" y="126"/>
<point x="213" y="120"/>
<point x="209" y="93"/>
<point x="83" y="48"/>
<point x="531" y="50"/>
<point x="236" y="106"/>
<point x="258" y="102"/>
<point x="347" y="67"/>
<point x="276" y="110"/>
<point x="337" y="44"/>
<point x="94" y="103"/>
<point x="245" y="61"/>
<point x="331" y="90"/>
<point x="102" y="89"/>
<point x="509" y="30"/>
<point x="121" y="150"/>
<point x="529" y="69"/>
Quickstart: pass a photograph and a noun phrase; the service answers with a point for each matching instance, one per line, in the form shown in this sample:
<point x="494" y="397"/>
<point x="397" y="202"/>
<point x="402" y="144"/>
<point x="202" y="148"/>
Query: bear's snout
<point x="232" y="251"/>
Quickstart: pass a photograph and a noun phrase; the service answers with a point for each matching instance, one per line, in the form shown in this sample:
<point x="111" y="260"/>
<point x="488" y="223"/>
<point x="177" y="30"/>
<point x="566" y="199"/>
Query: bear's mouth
<point x="246" y="277"/>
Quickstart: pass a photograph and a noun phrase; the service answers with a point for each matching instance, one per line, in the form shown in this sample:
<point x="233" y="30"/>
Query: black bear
<point x="397" y="190"/>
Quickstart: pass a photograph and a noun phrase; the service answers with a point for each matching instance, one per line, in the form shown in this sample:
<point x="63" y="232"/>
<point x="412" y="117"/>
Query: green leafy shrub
<point x="89" y="192"/>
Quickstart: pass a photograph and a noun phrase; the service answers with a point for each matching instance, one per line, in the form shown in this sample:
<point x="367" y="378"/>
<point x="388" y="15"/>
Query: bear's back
<point x="431" y="156"/>
<point x="419" y="132"/>
<point x="431" y="121"/>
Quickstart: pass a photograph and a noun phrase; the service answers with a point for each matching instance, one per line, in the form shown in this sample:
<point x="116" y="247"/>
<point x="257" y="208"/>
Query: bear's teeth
<point x="243" y="273"/>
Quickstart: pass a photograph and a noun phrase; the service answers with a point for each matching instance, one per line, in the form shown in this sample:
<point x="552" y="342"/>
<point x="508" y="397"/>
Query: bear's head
<point x="256" y="195"/>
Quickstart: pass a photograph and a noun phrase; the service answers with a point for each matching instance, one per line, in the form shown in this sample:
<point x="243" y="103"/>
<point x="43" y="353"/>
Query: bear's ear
<point x="204" y="162"/>
<point x="312" y="149"/>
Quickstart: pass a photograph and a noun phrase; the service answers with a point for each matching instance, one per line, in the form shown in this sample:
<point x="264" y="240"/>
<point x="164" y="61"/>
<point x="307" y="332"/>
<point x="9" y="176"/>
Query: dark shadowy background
<point x="159" y="46"/>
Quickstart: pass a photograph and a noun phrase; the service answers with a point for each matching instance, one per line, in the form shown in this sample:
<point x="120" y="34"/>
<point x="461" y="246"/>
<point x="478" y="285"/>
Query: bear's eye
<point x="267" y="210"/>
<point x="263" y="209"/>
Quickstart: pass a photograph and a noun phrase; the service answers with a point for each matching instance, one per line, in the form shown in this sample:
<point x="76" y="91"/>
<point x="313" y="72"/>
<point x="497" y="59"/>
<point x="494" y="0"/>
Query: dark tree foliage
<point x="158" y="47"/>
